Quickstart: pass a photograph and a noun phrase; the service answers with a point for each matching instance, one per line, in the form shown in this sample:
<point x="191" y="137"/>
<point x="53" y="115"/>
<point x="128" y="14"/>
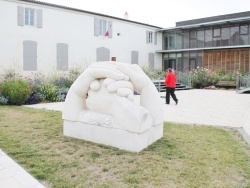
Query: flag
<point x="107" y="34"/>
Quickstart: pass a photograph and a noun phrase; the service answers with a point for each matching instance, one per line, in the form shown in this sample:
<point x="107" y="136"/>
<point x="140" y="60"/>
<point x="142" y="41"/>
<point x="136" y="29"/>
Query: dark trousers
<point x="170" y="91"/>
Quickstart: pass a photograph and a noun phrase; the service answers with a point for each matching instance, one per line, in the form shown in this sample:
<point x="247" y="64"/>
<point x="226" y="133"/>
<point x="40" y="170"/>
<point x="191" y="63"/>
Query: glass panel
<point x="178" y="62"/>
<point x="172" y="56"/>
<point x="186" y="40"/>
<point x="26" y="17"/>
<point x="171" y="40"/>
<point x="244" y="29"/>
<point x="179" y="40"/>
<point x="216" y="41"/>
<point x="199" y="59"/>
<point x="243" y="40"/>
<point x="165" y="41"/>
<point x="200" y="39"/>
<point x="225" y="36"/>
<point x="102" y="27"/>
<point x="216" y="32"/>
<point x="208" y="38"/>
<point x="192" y="64"/>
<point x="165" y="65"/>
<point x="165" y="56"/>
<point x="193" y="43"/>
<point x="234" y="35"/>
<point x="185" y="61"/>
<point x="193" y="34"/>
<point x="192" y="54"/>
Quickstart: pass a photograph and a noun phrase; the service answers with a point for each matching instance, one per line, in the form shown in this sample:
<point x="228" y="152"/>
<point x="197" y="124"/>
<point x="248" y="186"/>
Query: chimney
<point x="126" y="16"/>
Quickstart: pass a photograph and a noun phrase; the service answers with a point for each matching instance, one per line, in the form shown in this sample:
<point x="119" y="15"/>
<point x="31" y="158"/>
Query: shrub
<point x="3" y="100"/>
<point x="62" y="82"/>
<point x="49" y="92"/>
<point x="35" y="98"/>
<point x="154" y="74"/>
<point x="202" y="77"/>
<point x="16" y="91"/>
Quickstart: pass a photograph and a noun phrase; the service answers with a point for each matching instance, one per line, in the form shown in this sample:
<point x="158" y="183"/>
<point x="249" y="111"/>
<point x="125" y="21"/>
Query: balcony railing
<point x="243" y="84"/>
<point x="184" y="78"/>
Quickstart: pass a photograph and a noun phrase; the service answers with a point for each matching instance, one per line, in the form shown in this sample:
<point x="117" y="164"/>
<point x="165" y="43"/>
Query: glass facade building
<point x="220" y="42"/>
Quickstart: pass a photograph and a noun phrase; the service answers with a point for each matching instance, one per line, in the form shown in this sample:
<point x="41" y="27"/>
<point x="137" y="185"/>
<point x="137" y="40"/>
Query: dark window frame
<point x="241" y="31"/>
<point x="195" y="34"/>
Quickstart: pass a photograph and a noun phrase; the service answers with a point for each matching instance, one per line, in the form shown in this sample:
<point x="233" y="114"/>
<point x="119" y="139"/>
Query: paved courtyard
<point x="198" y="106"/>
<point x="201" y="107"/>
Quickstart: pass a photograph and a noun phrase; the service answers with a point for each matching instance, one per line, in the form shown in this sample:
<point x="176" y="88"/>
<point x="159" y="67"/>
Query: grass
<point x="186" y="156"/>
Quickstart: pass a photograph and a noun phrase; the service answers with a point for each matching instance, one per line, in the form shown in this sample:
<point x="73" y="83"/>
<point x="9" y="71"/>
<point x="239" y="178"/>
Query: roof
<point x="87" y="12"/>
<point x="199" y="24"/>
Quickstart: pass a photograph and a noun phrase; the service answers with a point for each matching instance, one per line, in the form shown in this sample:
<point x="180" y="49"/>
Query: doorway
<point x="170" y="63"/>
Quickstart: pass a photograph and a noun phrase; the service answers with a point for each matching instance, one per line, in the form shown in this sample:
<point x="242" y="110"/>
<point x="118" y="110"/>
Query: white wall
<point x="73" y="28"/>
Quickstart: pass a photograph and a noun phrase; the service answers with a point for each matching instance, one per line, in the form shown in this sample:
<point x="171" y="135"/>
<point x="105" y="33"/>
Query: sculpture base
<point x="118" y="138"/>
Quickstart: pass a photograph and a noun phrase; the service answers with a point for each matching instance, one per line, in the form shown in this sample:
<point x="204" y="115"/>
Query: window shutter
<point x="96" y="27"/>
<point x="151" y="60"/>
<point x="62" y="56"/>
<point x="20" y="16"/>
<point x="155" y="38"/>
<point x="39" y="18"/>
<point x="147" y="37"/>
<point x="110" y="28"/>
<point x="134" y="57"/>
<point x="29" y="56"/>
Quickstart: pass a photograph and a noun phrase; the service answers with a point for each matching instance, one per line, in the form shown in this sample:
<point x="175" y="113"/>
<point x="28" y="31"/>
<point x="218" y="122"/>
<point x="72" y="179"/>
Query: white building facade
<point x="40" y="37"/>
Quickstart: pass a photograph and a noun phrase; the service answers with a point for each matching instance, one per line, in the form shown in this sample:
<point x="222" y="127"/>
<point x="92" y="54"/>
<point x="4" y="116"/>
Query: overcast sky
<point x="162" y="13"/>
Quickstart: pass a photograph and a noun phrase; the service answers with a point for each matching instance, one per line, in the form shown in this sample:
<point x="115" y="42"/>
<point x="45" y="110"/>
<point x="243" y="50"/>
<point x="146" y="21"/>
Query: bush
<point x="202" y="77"/>
<point x="3" y="100"/>
<point x="16" y="91"/>
<point x="49" y="92"/>
<point x="154" y="74"/>
<point x="62" y="82"/>
<point x="35" y="98"/>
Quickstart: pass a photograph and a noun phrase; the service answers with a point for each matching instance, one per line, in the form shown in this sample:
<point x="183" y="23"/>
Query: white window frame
<point x="29" y="17"/>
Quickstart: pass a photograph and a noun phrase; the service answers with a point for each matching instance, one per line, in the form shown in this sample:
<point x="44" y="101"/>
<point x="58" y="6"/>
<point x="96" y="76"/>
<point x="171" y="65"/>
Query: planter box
<point x="226" y="84"/>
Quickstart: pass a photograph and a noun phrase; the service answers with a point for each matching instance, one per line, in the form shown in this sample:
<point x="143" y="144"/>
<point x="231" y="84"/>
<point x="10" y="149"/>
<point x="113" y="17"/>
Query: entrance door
<point x="171" y="63"/>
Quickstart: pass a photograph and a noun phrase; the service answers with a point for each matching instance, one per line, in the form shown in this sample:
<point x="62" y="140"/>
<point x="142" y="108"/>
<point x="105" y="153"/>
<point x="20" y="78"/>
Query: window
<point x="102" y="27"/>
<point x="200" y="38"/>
<point x="193" y="34"/>
<point x="149" y="37"/>
<point x="29" y="55"/>
<point x="216" y="32"/>
<point x="29" y="17"/>
<point x="244" y="29"/>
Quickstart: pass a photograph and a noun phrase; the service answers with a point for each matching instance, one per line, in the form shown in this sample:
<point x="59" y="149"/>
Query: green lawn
<point x="186" y="156"/>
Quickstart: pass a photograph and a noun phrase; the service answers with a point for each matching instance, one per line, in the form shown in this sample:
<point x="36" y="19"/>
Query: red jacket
<point x="170" y="80"/>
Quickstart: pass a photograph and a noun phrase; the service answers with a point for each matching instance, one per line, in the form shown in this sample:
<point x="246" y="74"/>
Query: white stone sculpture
<point x="99" y="107"/>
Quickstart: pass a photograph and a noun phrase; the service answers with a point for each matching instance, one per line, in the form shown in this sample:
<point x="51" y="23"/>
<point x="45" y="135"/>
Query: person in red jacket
<point x="170" y="83"/>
